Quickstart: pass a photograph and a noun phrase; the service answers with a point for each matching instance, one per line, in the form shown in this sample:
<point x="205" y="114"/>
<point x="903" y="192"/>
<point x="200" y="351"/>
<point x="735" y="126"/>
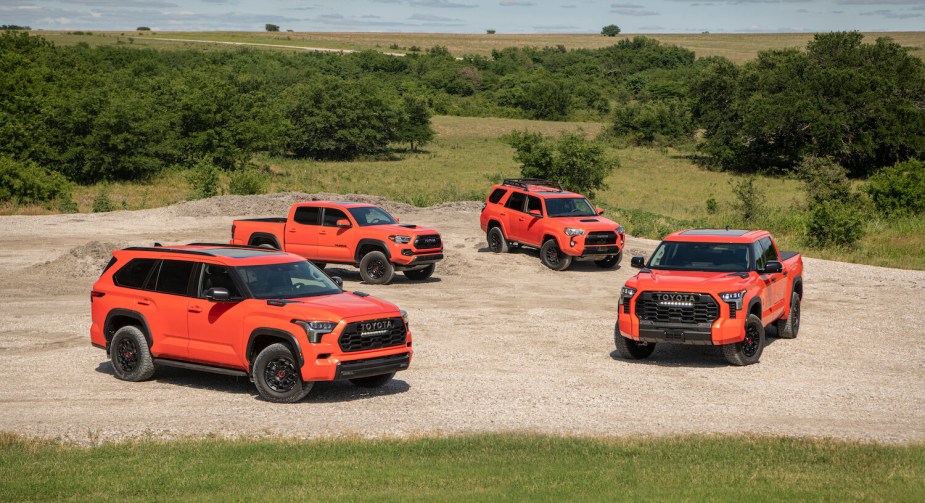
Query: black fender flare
<point x="374" y="242"/>
<point x="797" y="285"/>
<point x="135" y="315"/>
<point x="264" y="235"/>
<point x="274" y="333"/>
<point x="756" y="300"/>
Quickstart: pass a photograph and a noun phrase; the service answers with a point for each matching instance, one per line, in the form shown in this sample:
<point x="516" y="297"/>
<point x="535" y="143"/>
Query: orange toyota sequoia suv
<point x="563" y="225"/>
<point x="260" y="313"/>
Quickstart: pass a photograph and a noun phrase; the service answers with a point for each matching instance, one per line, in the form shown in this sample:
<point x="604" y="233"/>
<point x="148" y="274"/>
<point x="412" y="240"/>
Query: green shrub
<point x="67" y="205"/>
<point x="578" y="164"/>
<point x="203" y="179"/>
<point x="825" y="180"/>
<point x="712" y="205"/>
<point x="25" y="182"/>
<point x="102" y="203"/>
<point x="833" y="223"/>
<point x="662" y="122"/>
<point x="899" y="188"/>
<point x="247" y="182"/>
<point x="750" y="201"/>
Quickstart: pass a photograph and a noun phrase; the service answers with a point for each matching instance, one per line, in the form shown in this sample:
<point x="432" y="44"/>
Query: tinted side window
<point x="217" y="276"/>
<point x="174" y="277"/>
<point x="307" y="215"/>
<point x="534" y="203"/>
<point x="134" y="274"/>
<point x="496" y="195"/>
<point x="766" y="252"/>
<point x="516" y="201"/>
<point x="331" y="216"/>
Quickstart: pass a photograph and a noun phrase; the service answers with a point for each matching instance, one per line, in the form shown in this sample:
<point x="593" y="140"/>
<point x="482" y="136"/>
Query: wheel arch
<point x="366" y="245"/>
<point x="262" y="337"/>
<point x="798" y="285"/>
<point x="258" y="238"/>
<point x="754" y="307"/>
<point x="118" y="318"/>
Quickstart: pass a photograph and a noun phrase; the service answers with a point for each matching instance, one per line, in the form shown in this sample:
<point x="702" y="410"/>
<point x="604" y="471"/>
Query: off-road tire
<point x="373" y="381"/>
<point x="276" y="375"/>
<point x="420" y="274"/>
<point x="789" y="328"/>
<point x="375" y="268"/>
<point x="553" y="257"/>
<point x="749" y="350"/>
<point x="497" y="243"/>
<point x="632" y="350"/>
<point x="610" y="262"/>
<point x="267" y="246"/>
<point x="130" y="355"/>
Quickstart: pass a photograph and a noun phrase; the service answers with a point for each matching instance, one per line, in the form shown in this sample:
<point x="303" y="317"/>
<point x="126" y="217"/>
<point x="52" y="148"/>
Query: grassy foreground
<point x="468" y="468"/>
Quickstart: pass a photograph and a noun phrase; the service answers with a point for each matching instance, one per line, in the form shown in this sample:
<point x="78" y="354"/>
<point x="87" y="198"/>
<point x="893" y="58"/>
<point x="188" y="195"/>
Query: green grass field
<point x="653" y="192"/>
<point x="736" y="47"/>
<point x="468" y="468"/>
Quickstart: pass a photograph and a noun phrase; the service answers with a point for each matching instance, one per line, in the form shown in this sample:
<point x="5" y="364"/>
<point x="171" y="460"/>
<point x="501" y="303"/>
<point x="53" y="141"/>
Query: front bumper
<point x="576" y="247"/>
<point x="403" y="258"/>
<point x="724" y="330"/>
<point x="372" y="366"/>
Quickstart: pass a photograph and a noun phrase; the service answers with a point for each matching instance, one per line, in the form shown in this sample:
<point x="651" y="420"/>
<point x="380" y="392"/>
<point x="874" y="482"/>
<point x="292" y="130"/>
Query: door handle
<point x="195" y="309"/>
<point x="143" y="302"/>
<point x="291" y="230"/>
<point x="521" y="219"/>
<point x="502" y="213"/>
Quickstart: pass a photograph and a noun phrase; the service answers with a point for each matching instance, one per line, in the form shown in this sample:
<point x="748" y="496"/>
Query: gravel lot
<point x="502" y="344"/>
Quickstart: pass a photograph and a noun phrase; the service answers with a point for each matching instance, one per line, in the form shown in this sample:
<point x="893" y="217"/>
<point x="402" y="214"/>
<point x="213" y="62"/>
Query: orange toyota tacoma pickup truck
<point x="264" y="314"/>
<point x="357" y="234"/>
<point x="716" y="287"/>
<point x="562" y="225"/>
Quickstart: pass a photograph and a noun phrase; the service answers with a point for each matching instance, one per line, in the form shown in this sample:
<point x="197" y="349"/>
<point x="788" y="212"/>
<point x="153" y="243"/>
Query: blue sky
<point x="472" y="16"/>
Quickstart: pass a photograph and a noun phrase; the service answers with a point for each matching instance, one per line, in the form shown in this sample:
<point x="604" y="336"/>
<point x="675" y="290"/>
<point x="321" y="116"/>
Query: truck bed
<point x="275" y="220"/>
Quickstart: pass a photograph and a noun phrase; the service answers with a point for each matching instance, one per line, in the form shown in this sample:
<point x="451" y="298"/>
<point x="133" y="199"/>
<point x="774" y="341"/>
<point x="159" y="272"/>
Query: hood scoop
<point x="742" y="275"/>
<point x="589" y="220"/>
<point x="282" y="302"/>
<point x="408" y="226"/>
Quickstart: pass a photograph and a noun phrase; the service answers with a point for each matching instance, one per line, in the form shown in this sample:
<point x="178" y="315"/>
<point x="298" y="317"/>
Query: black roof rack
<point x="164" y="249"/>
<point x="229" y="245"/>
<point x="525" y="183"/>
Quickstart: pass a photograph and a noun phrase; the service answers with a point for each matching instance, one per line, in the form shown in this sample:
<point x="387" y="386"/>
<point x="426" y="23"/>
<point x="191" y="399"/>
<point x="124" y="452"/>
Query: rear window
<point x="134" y="274"/>
<point x="496" y="195"/>
<point x="516" y="201"/>
<point x="307" y="215"/>
<point x="174" y="277"/>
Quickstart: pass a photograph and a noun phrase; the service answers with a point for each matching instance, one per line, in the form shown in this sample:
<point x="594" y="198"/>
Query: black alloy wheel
<point x="127" y="355"/>
<point x="751" y="343"/>
<point x="375" y="268"/>
<point x="280" y="375"/>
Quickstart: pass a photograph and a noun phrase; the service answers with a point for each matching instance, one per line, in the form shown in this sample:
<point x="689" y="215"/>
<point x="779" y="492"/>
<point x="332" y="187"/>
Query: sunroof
<point x="715" y="232"/>
<point x="238" y="252"/>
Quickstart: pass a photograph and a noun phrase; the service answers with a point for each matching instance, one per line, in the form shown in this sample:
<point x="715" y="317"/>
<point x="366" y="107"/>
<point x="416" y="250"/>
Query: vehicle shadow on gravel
<point x="353" y="276"/>
<point x="323" y="392"/>
<point x="343" y="391"/>
<point x="680" y="355"/>
<point x="577" y="265"/>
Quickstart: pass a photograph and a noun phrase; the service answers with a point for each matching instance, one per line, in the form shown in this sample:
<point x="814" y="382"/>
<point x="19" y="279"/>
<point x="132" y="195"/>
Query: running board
<point x="200" y="367"/>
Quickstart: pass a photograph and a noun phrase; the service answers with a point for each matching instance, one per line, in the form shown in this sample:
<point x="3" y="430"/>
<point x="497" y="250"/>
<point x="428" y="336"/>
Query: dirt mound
<point x="84" y="261"/>
<point x="272" y="204"/>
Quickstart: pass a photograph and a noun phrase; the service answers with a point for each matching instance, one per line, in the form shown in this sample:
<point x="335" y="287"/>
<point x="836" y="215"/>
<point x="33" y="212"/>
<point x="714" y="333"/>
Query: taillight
<point x="232" y="230"/>
<point x="95" y="293"/>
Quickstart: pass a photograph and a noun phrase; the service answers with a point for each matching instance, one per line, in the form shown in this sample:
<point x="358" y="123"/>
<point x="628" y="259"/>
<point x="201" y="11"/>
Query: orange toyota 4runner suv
<point x="268" y="315"/>
<point x="711" y="287"/>
<point x="347" y="233"/>
<point x="563" y="225"/>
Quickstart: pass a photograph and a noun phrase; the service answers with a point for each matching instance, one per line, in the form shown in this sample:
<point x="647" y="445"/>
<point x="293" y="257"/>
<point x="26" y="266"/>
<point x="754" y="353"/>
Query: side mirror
<point x="218" y="295"/>
<point x="397" y="220"/>
<point x="343" y="223"/>
<point x="773" y="267"/>
<point x="338" y="281"/>
<point x="638" y="262"/>
<point x="600" y="211"/>
<point x="536" y="213"/>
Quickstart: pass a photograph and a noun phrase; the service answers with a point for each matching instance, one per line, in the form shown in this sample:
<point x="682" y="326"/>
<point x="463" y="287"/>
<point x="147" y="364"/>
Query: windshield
<point x="286" y="281"/>
<point x="371" y="215"/>
<point x="713" y="257"/>
<point x="569" y="207"/>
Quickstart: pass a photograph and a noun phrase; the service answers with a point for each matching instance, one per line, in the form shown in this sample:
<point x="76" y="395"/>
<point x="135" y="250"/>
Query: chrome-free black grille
<point x="671" y="307"/>
<point x="626" y="305"/>
<point x="601" y="238"/>
<point x="732" y="309"/>
<point x="428" y="241"/>
<point x="372" y="334"/>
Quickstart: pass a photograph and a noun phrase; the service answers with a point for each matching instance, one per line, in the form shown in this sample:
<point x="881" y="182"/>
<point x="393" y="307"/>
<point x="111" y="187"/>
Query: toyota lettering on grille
<point x="674" y="297"/>
<point x="373" y="328"/>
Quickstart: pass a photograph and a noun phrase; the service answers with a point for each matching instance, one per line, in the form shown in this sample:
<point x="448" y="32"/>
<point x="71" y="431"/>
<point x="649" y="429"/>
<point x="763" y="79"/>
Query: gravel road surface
<point x="501" y="344"/>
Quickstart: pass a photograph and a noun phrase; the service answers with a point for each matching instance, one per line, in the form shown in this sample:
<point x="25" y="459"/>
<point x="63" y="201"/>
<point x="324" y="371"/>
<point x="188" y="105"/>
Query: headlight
<point x="569" y="231"/>
<point x="315" y="329"/>
<point x="733" y="298"/>
<point x="404" y="316"/>
<point x="402" y="240"/>
<point x="620" y="230"/>
<point x="627" y="291"/>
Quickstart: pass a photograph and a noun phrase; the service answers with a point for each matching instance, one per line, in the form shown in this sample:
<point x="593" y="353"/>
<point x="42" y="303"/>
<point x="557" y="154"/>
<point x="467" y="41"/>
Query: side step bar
<point x="196" y="366"/>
